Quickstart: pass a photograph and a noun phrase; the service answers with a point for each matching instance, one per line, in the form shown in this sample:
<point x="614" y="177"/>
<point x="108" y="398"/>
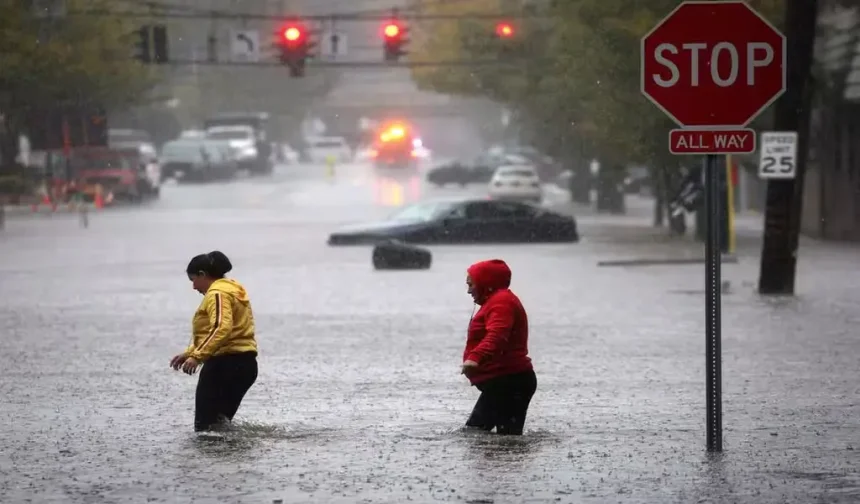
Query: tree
<point x="77" y="59"/>
<point x="578" y="88"/>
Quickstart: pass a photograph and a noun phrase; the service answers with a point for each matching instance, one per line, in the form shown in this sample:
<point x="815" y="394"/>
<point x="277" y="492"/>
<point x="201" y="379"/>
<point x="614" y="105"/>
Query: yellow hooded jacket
<point x="224" y="322"/>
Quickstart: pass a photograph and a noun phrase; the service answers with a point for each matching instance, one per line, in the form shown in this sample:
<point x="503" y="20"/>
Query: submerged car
<point x="464" y="221"/>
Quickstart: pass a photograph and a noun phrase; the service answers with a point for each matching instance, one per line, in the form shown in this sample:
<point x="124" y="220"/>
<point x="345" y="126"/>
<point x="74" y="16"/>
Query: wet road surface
<point x="359" y="397"/>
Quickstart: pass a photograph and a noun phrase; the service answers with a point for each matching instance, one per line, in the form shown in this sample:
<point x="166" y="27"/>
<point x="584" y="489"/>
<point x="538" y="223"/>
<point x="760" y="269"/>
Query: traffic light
<point x="151" y="44"/>
<point x="394" y="40"/>
<point x="296" y="45"/>
<point x="507" y="39"/>
<point x="505" y="30"/>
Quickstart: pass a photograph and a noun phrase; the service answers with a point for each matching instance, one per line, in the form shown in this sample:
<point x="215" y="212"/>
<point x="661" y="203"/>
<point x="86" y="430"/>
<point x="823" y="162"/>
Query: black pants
<point x="503" y="403"/>
<point x="223" y="382"/>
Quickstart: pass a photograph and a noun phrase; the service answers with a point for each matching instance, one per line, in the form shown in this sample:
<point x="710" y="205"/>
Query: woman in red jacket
<point x="496" y="359"/>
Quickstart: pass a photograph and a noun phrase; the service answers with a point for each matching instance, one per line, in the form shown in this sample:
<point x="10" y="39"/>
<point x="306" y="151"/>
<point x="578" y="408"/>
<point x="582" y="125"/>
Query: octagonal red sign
<point x="713" y="64"/>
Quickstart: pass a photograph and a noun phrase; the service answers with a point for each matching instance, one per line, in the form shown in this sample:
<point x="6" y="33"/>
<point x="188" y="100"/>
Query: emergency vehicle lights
<point x="393" y="133"/>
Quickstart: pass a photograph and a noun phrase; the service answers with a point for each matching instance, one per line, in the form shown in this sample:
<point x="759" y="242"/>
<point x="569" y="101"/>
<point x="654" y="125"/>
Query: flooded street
<point x="359" y="398"/>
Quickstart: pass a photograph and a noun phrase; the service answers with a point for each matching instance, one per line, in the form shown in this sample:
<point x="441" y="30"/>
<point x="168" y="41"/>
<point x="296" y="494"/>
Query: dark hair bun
<point x="220" y="264"/>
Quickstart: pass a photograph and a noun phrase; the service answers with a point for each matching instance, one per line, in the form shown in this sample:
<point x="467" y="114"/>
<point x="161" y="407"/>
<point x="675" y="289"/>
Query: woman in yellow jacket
<point x="223" y="342"/>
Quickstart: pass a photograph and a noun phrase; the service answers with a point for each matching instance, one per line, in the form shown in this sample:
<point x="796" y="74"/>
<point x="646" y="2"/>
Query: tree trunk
<point x="610" y="196"/>
<point x="661" y="194"/>
<point x="792" y="113"/>
<point x="580" y="182"/>
<point x="9" y="147"/>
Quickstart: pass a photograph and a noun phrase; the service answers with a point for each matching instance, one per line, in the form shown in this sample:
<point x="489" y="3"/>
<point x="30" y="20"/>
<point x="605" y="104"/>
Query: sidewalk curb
<point x="668" y="261"/>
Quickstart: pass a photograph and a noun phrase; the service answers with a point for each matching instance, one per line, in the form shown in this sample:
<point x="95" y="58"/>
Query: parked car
<point x="322" y="149"/>
<point x="192" y="133"/>
<point x="241" y="140"/>
<point x="193" y="159"/>
<point x="478" y="171"/>
<point x="133" y="139"/>
<point x="547" y="168"/>
<point x="464" y="221"/>
<point x="516" y="182"/>
<point x="122" y="173"/>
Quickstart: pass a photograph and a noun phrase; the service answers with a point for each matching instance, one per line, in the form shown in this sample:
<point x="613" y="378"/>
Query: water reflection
<point x="396" y="192"/>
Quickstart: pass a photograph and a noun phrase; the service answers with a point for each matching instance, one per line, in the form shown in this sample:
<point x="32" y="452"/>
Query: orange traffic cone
<point x="99" y="199"/>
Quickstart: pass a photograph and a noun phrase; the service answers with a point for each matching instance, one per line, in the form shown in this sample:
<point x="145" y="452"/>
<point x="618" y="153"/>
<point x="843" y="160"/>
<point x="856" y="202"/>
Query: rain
<point x="692" y="304"/>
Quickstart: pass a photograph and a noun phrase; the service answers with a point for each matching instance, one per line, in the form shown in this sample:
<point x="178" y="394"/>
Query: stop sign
<point x="713" y="64"/>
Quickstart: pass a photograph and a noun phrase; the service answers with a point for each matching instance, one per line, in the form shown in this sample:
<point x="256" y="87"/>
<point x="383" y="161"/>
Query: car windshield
<point x="128" y="136"/>
<point x="521" y="172"/>
<point x="328" y="144"/>
<point x="421" y="212"/>
<point x="181" y="151"/>
<point x="230" y="135"/>
<point x="84" y="162"/>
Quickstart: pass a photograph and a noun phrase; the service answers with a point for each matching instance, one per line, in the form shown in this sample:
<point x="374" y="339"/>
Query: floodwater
<point x="359" y="397"/>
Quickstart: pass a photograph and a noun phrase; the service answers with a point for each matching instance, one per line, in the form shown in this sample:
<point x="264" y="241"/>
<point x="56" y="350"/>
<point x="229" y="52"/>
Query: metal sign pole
<point x="713" y="285"/>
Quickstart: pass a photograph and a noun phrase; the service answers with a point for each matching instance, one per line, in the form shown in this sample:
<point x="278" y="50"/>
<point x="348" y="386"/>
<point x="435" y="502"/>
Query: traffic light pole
<point x="713" y="315"/>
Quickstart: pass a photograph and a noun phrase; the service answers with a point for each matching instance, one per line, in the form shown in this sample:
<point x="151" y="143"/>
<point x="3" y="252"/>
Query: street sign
<point x="778" y="155"/>
<point x="245" y="45"/>
<point x="713" y="64"/>
<point x="698" y="142"/>
<point x="334" y="44"/>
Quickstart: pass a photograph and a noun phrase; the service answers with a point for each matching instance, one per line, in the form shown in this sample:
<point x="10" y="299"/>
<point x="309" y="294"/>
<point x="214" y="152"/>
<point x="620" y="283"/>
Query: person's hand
<point x="189" y="367"/>
<point x="469" y="366"/>
<point x="177" y="361"/>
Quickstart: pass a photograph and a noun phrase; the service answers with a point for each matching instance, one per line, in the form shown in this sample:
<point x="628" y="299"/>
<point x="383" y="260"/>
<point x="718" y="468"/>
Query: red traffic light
<point x="391" y="30"/>
<point x="292" y="34"/>
<point x="504" y="30"/>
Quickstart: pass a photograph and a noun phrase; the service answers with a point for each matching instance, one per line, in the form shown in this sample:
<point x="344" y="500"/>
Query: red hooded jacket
<point x="498" y="333"/>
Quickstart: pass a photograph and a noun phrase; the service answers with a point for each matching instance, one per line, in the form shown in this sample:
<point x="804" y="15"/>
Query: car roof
<point x="230" y="127"/>
<point x="464" y="200"/>
<point x="516" y="167"/>
<point x="240" y="115"/>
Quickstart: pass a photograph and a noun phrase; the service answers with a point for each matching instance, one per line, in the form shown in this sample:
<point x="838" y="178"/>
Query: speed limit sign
<point x="777" y="155"/>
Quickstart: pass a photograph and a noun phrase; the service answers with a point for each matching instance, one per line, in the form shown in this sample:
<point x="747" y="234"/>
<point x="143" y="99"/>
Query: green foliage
<point x="578" y="81"/>
<point x="18" y="180"/>
<point x="75" y="59"/>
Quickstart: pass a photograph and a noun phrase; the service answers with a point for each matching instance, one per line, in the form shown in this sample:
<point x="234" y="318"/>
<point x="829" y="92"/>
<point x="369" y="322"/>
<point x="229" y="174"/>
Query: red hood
<point x="489" y="276"/>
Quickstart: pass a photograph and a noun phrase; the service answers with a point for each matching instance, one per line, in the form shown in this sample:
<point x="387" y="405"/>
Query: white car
<point x="192" y="133"/>
<point x="241" y="139"/>
<point x="325" y="149"/>
<point x="516" y="182"/>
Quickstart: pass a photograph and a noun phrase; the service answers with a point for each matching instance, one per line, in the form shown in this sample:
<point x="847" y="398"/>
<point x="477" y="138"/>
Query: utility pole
<point x="792" y="113"/>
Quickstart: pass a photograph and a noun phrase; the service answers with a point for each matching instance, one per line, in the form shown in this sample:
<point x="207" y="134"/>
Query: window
<point x="514" y="172"/>
<point x="328" y="144"/>
<point x="237" y="134"/>
<point x="499" y="210"/>
<point x="181" y="151"/>
<point x="420" y="212"/>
